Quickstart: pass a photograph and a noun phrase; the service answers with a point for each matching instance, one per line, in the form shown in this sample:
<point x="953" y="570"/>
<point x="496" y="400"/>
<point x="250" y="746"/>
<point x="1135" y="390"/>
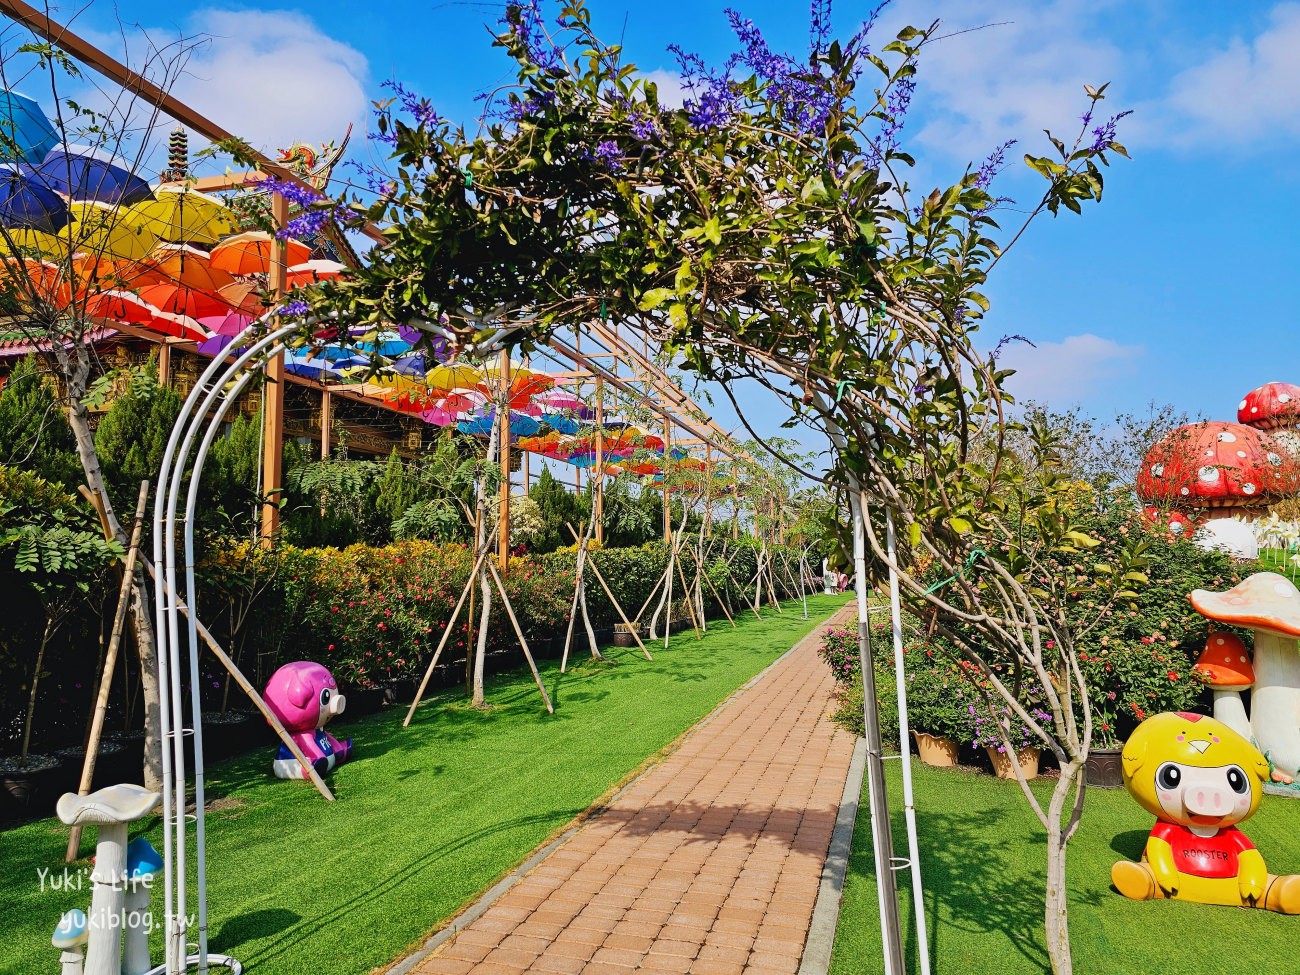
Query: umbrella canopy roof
<point x="190" y="267"/>
<point x="99" y="229"/>
<point x="453" y="376"/>
<point x="180" y="300"/>
<point x="229" y="324"/>
<point x="26" y="135"/>
<point x="307" y="272"/>
<point x="25" y="201"/>
<point x="183" y="216"/>
<point x="82" y="173"/>
<point x="252" y="252"/>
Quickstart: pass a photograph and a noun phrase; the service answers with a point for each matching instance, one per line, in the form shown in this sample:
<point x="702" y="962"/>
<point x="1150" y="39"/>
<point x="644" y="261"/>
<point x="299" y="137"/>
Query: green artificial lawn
<point x="982" y="865"/>
<point x="427" y="817"/>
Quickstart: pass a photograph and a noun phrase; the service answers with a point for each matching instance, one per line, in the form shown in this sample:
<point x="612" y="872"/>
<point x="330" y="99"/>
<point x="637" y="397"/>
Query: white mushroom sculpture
<point x="1269" y="604"/>
<point x="1225" y="667"/>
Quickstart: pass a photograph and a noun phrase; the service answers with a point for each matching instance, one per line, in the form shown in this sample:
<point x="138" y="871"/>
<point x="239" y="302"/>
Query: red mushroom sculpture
<point x="1274" y="407"/>
<point x="1217" y="470"/>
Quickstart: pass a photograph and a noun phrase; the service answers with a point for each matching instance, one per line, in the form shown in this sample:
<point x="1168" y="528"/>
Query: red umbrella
<point x="129" y="309"/>
<point x="176" y="299"/>
<point x="250" y="253"/>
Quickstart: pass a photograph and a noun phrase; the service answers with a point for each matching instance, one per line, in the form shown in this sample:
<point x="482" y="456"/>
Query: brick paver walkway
<point x="709" y="863"/>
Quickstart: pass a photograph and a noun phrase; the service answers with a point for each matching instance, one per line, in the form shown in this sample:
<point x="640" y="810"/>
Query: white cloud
<point x="1069" y="370"/>
<point x="274" y="78"/>
<point x="672" y="91"/>
<point x="1007" y="69"/>
<point x="1246" y="91"/>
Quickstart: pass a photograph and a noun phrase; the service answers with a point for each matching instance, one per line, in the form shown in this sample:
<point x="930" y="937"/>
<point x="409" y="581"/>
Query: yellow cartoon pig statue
<point x="1199" y="778"/>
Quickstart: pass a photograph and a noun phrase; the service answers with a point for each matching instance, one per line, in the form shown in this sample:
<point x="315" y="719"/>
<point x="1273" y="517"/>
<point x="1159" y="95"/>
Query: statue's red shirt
<point x="1213" y="857"/>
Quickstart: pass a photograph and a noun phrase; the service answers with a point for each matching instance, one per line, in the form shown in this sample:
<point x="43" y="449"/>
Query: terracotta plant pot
<point x="1002" y="767"/>
<point x="1104" y="769"/>
<point x="936" y="750"/>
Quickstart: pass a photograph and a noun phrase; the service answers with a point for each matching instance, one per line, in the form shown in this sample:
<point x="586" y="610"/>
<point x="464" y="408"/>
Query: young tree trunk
<point x="1056" y="920"/>
<point x="31" y="694"/>
<point x="478" y="699"/>
<point x="76" y="371"/>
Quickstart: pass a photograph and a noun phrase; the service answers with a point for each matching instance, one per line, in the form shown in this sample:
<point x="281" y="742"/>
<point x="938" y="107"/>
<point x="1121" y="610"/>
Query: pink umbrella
<point x="231" y="323"/>
<point x="558" y="399"/>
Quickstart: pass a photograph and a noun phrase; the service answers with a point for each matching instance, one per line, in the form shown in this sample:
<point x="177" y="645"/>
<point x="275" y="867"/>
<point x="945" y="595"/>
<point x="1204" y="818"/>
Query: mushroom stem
<point x="1229" y="708"/>
<point x="1275" y="702"/>
<point x="104" y="952"/>
<point x="70" y="959"/>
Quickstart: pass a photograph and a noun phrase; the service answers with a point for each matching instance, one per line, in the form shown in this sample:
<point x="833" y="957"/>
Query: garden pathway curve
<point x="708" y="863"/>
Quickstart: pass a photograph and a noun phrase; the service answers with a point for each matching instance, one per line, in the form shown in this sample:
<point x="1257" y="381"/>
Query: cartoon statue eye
<point x="325" y="697"/>
<point x="1237" y="781"/>
<point x="1168" y="776"/>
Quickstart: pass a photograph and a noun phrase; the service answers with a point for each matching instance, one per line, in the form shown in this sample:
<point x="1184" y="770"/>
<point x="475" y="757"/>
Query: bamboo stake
<point x="251" y="691"/>
<point x="631" y="627"/>
<point x="585" y="557"/>
<point x="705" y="576"/>
<point x="110" y="663"/>
<point x="573" y="607"/>
<point x="446" y="634"/>
<point x="510" y="611"/>
<point x="690" y="601"/>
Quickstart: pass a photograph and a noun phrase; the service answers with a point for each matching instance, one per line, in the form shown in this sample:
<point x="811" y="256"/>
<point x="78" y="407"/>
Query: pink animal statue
<point x="304" y="696"/>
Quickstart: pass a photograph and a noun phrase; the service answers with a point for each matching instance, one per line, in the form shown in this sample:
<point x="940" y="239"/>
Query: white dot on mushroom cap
<point x="1284" y="397"/>
<point x="1274" y="459"/>
<point x="1242" y="658"/>
<point x="1157" y="470"/>
<point x="1241" y="453"/>
<point x="1219" y="641"/>
<point x="1226" y="437"/>
<point x="1209" y="452"/>
<point x="1248" y="488"/>
<point x="1242" y="405"/>
<point x="1185" y="491"/>
<point x="1208" y="474"/>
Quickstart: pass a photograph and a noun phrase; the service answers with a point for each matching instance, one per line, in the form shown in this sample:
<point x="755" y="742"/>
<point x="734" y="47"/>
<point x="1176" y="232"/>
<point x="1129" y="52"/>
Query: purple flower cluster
<point x="293" y="309"/>
<point x="1007" y="340"/>
<point x="804" y="96"/>
<point x="314" y="214"/>
<point x="819" y="25"/>
<point x="992" y="165"/>
<point x="418" y="108"/>
<point x="524" y="20"/>
<point x="1104" y="134"/>
<point x="897" y="101"/>
<point x="607" y="154"/>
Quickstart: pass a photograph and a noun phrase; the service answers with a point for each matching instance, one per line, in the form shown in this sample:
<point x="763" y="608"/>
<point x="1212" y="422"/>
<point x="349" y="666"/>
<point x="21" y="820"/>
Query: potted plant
<point x="996" y="728"/>
<point x="939" y="697"/>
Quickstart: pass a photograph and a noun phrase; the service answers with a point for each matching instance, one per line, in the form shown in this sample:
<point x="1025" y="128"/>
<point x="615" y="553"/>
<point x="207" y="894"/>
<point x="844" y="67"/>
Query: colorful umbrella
<point x="36" y="244"/>
<point x="129" y="309"/>
<point x="27" y="202"/>
<point x="245" y="296"/>
<point x="183" y="216"/>
<point x="309" y="366"/>
<point x="82" y="173"/>
<point x="26" y="135"/>
<point x="305" y="272"/>
<point x="385" y="343"/>
<point x="562" y="423"/>
<point x="217" y="345"/>
<point x="482" y="423"/>
<point x="251" y="253"/>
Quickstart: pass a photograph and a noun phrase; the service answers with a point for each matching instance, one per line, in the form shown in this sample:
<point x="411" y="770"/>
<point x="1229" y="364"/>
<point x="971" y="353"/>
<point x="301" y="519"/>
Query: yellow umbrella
<point x="453" y="375"/>
<point x="22" y="242"/>
<point x="107" y="232"/>
<point x="183" y="216"/>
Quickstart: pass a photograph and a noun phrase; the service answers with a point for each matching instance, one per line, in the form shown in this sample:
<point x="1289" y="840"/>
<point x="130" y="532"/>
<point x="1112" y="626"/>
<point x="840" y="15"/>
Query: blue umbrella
<point x="27" y="202"/>
<point x="562" y="423"/>
<point x="26" y="135"/>
<point x="299" y="364"/>
<point x="77" y="172"/>
<point x="480" y="425"/>
<point x="386" y="343"/>
<point x="414" y="365"/>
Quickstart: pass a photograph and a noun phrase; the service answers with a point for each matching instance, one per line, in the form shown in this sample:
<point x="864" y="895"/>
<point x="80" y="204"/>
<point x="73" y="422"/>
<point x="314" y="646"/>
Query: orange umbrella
<point x="251" y="253"/>
<point x="190" y="267"/>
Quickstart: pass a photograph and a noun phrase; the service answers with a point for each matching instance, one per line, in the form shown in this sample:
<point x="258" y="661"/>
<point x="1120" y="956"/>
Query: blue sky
<point x="1177" y="288"/>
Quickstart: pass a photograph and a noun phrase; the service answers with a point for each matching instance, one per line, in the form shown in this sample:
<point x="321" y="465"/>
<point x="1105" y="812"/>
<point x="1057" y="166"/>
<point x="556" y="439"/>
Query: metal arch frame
<point x="220" y="386"/>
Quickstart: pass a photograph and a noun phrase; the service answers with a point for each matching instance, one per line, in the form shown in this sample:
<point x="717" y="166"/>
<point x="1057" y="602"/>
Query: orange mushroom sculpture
<point x="1225" y="666"/>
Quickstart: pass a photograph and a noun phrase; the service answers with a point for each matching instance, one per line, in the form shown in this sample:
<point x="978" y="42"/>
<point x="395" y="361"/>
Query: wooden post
<point x="326" y="423"/>
<point x="165" y="364"/>
<point x="503" y="418"/>
<point x="110" y="664"/>
<point x="273" y="390"/>
<point x="598" y="505"/>
<point x="667" y="460"/>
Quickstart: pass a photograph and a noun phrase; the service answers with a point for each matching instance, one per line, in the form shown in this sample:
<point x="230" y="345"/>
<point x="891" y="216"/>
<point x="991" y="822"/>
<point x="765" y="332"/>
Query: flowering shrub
<point x="840" y="651"/>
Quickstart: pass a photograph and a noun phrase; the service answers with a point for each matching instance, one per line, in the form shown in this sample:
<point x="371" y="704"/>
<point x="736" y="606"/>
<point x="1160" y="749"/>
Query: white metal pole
<point x="909" y="806"/>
